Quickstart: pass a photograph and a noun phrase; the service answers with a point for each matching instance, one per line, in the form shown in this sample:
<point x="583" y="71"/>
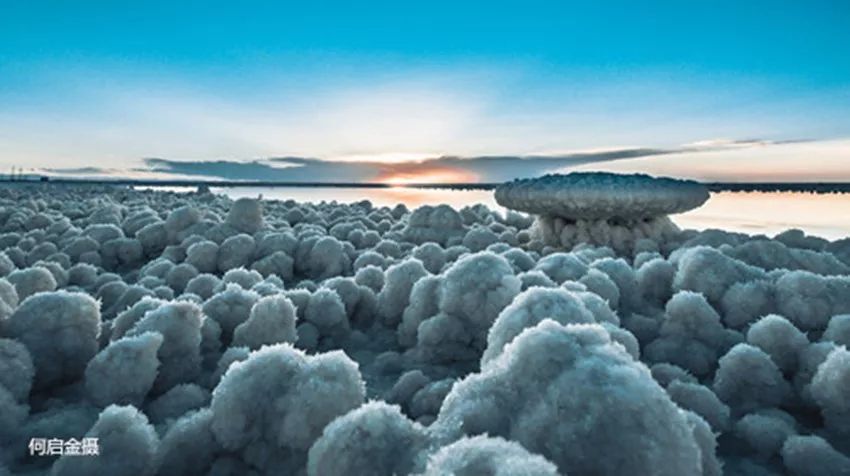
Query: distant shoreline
<point x="811" y="187"/>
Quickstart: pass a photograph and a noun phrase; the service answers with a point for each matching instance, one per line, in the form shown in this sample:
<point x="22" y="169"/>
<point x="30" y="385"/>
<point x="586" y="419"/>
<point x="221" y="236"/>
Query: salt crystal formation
<point x="602" y="208"/>
<point x="195" y="335"/>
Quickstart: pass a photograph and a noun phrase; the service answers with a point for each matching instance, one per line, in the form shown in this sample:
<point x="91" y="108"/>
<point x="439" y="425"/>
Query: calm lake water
<point x="826" y="215"/>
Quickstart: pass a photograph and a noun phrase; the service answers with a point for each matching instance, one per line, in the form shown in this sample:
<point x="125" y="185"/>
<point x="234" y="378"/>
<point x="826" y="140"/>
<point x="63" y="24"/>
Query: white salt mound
<point x="624" y="212"/>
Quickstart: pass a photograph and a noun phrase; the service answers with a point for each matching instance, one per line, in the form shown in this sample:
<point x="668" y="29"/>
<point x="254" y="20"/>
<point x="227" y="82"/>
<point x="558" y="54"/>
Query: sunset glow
<point x="436" y="175"/>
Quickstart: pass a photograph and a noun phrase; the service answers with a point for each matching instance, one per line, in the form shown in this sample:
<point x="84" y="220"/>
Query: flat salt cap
<point x="601" y="195"/>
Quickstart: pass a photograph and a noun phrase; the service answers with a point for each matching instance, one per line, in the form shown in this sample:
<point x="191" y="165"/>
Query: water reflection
<point x="826" y="215"/>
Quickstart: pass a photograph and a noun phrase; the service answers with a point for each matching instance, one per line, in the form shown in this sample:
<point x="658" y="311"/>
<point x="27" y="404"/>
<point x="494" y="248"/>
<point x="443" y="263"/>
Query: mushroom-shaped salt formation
<point x="602" y="208"/>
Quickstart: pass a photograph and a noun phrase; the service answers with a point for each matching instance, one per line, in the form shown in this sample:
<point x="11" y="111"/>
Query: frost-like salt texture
<point x="179" y="323"/>
<point x="597" y="195"/>
<point x="620" y="211"/>
<point x="123" y="373"/>
<point x="272" y="320"/>
<point x="551" y="369"/>
<point x="483" y="455"/>
<point x="127" y="442"/>
<point x="60" y="332"/>
<point x="280" y="400"/>
<point x="376" y="438"/>
<point x="198" y="335"/>
<point x="528" y="309"/>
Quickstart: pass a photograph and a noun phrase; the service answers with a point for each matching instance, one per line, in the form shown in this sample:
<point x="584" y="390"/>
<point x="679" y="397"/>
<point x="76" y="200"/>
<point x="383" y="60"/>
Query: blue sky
<point x="109" y="84"/>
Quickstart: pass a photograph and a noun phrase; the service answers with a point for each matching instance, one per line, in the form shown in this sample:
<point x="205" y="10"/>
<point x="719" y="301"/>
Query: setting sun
<point x="435" y="175"/>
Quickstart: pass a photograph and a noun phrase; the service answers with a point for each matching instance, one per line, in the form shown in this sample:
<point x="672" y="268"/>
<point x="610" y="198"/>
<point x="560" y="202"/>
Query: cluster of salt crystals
<point x="191" y="335"/>
<point x="626" y="212"/>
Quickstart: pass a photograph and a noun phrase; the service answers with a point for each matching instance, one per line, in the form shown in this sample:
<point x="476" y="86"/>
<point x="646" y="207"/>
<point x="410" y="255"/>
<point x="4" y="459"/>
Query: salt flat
<point x="193" y="333"/>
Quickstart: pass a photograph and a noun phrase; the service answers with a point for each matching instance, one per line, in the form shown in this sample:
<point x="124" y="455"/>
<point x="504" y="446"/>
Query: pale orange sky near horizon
<point x="820" y="161"/>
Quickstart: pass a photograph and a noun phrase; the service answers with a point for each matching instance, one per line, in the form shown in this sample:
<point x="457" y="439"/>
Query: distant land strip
<point x="810" y="187"/>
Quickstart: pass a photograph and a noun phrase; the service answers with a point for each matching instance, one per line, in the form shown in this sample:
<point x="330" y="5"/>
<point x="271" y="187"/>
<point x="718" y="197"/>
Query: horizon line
<point x="36" y="179"/>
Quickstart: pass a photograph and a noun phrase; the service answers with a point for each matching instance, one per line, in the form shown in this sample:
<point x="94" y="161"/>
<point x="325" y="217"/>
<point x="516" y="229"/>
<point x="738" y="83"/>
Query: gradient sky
<point x="721" y="90"/>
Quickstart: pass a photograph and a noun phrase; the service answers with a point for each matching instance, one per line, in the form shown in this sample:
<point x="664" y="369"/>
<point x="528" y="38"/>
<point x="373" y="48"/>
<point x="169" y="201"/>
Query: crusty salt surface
<point x="601" y="195"/>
